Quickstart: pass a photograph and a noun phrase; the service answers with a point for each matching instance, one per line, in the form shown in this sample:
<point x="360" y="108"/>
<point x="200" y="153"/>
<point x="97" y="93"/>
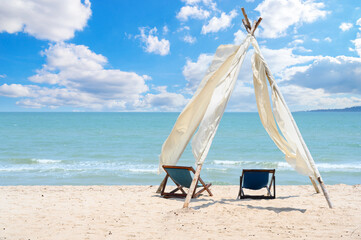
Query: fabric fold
<point x="206" y="108"/>
<point x="290" y="142"/>
<point x="224" y="63"/>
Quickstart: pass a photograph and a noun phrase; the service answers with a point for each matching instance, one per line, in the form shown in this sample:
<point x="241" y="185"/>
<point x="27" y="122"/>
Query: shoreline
<point x="137" y="212"/>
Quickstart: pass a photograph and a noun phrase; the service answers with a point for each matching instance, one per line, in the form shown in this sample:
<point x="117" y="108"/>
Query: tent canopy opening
<point x="206" y="108"/>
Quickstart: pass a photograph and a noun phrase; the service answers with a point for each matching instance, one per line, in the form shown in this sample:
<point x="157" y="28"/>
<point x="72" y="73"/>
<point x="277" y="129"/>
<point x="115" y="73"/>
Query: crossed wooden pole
<point x="251" y="29"/>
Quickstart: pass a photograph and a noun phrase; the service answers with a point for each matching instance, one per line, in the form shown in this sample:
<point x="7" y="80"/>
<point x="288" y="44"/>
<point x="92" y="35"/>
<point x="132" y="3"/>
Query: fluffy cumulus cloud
<point x="302" y="98"/>
<point x="152" y="42"/>
<point x="15" y="90"/>
<point x="279" y="15"/>
<point x="189" y="39"/>
<point x="75" y="76"/>
<point x="333" y="74"/>
<point x="345" y="26"/>
<point x="194" y="12"/>
<point x="307" y="82"/>
<point x="195" y="71"/>
<point x="55" y="20"/>
<point x="357" y="41"/>
<point x="221" y="23"/>
<point x="164" y="100"/>
<point x="283" y="62"/>
<point x="239" y="36"/>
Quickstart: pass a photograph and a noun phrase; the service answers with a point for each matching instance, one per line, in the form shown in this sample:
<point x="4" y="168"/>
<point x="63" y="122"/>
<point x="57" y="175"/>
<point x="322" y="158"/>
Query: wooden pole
<point x="315" y="185"/>
<point x="309" y="156"/>
<point x="248" y="24"/>
<point x="325" y="192"/>
<point x="255" y="25"/>
<point x="193" y="186"/>
<point x="297" y="130"/>
<point x="245" y="26"/>
<point x="161" y="185"/>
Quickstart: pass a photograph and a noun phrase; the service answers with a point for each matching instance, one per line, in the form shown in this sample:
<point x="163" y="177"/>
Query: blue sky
<point x="68" y="55"/>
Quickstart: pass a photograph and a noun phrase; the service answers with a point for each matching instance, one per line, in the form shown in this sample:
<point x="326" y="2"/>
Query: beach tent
<point x="204" y="111"/>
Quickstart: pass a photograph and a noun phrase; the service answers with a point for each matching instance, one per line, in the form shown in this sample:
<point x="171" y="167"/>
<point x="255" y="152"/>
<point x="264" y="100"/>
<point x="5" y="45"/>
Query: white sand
<point x="137" y="212"/>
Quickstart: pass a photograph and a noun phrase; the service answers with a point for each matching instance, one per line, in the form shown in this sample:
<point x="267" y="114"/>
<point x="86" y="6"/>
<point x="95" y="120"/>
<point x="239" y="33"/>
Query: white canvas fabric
<point x="291" y="143"/>
<point x="207" y="106"/>
<point x="217" y="81"/>
<point x="202" y="140"/>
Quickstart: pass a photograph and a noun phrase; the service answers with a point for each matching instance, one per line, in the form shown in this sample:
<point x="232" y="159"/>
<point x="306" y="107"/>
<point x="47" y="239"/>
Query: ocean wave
<point x="45" y="161"/>
<point x="74" y="167"/>
<point x="339" y="166"/>
<point x="142" y="170"/>
<point x="227" y="162"/>
<point x="345" y="167"/>
<point x="31" y="161"/>
<point x="56" y="166"/>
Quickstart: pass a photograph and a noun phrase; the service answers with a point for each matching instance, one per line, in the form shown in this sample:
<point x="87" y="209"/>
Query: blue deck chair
<point x="181" y="176"/>
<point x="256" y="179"/>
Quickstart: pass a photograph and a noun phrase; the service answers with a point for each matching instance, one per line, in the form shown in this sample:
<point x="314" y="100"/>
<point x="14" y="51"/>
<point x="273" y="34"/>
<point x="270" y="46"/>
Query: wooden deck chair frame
<point x="269" y="195"/>
<point x="173" y="194"/>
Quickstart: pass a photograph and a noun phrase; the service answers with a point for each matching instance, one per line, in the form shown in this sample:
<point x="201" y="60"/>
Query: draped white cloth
<point x="207" y="106"/>
<point x="291" y="143"/>
<point x="219" y="80"/>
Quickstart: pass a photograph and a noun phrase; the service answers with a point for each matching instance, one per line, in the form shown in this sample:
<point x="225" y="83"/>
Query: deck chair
<point x="256" y="179"/>
<point x="181" y="176"/>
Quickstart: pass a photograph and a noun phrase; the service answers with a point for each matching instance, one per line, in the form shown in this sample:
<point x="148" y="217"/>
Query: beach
<point x="138" y="212"/>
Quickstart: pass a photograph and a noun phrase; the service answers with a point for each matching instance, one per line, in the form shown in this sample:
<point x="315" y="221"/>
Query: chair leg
<point x="205" y="187"/>
<point x="274" y="186"/>
<point x="268" y="191"/>
<point x="240" y="188"/>
<point x="164" y="184"/>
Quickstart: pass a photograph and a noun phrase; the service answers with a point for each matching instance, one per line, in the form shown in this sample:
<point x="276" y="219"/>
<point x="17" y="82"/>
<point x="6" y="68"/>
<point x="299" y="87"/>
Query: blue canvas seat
<point x="181" y="176"/>
<point x="256" y="179"/>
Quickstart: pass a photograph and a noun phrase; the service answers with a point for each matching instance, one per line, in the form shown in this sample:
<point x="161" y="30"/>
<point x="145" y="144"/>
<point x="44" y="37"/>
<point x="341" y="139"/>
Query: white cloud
<point x="77" y="78"/>
<point x="208" y="3"/>
<point x="14" y="90"/>
<point x="191" y="2"/>
<point x="357" y="43"/>
<point x="195" y="12"/>
<point x="164" y="101"/>
<point x="345" y="26"/>
<point x="195" y="71"/>
<point x="328" y="39"/>
<point x="239" y="36"/>
<point x="55" y="20"/>
<point x="280" y="60"/>
<point x="279" y="15"/>
<point x="358" y="22"/>
<point x="315" y="39"/>
<point x="153" y="44"/>
<point x="217" y="24"/>
<point x="2" y="75"/>
<point x="185" y="28"/>
<point x="297" y="45"/>
<point x="165" y="29"/>
<point x="302" y="98"/>
<point x="339" y="74"/>
<point x="74" y="76"/>
<point x="189" y="39"/>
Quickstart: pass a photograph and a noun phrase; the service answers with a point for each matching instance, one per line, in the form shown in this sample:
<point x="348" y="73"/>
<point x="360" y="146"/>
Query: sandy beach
<point x="137" y="212"/>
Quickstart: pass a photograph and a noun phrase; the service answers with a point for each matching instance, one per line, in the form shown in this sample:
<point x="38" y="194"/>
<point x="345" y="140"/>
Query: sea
<point x="124" y="148"/>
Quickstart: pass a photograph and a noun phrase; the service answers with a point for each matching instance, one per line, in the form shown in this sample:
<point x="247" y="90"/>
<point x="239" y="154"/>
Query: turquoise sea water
<point x="123" y="148"/>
